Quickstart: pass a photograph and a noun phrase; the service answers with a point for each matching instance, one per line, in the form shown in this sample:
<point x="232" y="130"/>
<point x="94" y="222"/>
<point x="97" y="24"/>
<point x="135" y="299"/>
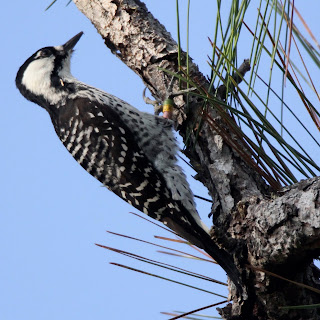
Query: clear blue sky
<point x="52" y="211"/>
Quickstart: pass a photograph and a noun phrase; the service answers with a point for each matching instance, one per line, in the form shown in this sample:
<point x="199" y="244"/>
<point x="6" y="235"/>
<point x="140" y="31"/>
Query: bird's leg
<point x="166" y="107"/>
<point x="157" y="104"/>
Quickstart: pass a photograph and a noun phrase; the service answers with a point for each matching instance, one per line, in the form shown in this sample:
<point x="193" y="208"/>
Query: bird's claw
<point x="157" y="105"/>
<point x="166" y="106"/>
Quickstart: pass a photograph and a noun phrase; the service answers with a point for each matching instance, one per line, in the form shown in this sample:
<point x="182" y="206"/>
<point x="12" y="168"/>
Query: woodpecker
<point x="132" y="153"/>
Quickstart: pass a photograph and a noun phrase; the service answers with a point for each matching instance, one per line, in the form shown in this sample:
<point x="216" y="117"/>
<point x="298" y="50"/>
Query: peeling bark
<point x="281" y="235"/>
<point x="278" y="232"/>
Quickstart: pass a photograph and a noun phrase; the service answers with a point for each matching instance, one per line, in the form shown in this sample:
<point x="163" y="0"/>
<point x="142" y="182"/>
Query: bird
<point x="132" y="153"/>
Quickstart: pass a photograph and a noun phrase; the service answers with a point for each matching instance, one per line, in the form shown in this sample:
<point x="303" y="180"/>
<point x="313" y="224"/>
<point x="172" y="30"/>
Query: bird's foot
<point x="166" y="106"/>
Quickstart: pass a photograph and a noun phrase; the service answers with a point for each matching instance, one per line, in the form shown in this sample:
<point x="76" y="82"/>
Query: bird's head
<point x="41" y="78"/>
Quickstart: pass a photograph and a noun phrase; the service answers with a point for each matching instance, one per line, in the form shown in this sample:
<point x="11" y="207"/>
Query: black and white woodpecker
<point x="132" y="153"/>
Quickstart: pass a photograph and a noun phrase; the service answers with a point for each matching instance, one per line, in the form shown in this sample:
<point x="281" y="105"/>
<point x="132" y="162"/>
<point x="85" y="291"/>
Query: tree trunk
<point x="276" y="231"/>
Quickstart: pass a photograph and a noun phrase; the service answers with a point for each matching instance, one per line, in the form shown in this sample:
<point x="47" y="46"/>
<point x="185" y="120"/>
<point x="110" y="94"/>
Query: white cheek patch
<point x="36" y="77"/>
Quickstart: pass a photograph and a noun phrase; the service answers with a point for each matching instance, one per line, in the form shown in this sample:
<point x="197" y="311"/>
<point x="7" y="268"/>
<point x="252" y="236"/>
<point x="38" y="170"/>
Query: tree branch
<point x="278" y="232"/>
<point x="144" y="45"/>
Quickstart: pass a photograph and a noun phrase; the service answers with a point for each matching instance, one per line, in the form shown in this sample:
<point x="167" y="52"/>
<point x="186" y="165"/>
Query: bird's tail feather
<point x="200" y="237"/>
<point x="224" y="259"/>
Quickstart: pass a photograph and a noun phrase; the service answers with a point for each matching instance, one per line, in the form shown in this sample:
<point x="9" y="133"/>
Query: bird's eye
<point x="43" y="53"/>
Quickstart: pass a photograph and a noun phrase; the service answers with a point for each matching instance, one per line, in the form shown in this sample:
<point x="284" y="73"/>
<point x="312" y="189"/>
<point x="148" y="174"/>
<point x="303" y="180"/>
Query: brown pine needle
<point x="157" y="245"/>
<point x="186" y="256"/>
<point x="315" y="120"/>
<point x="283" y="278"/>
<point x="158" y="225"/>
<point x="167" y="279"/>
<point x="162" y="264"/>
<point x="306" y="27"/>
<point x="200" y="309"/>
<point x="173" y="240"/>
<point x="312" y="113"/>
<point x="186" y="242"/>
<point x="181" y="241"/>
<point x="289" y="45"/>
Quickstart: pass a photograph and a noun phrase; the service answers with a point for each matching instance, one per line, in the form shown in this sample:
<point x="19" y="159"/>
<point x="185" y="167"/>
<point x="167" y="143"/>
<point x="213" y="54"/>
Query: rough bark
<point x="275" y="231"/>
<point x="281" y="235"/>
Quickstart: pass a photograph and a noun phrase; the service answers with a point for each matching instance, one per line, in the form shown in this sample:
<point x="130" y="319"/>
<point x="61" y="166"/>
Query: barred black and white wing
<point x="104" y="146"/>
<point x="154" y="137"/>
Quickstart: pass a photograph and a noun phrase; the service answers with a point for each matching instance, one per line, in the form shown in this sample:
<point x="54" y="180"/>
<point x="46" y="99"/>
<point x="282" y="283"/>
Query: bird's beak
<point x="69" y="45"/>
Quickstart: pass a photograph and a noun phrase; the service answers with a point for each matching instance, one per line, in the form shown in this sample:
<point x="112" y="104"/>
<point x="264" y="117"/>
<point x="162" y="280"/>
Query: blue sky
<point x="53" y="212"/>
